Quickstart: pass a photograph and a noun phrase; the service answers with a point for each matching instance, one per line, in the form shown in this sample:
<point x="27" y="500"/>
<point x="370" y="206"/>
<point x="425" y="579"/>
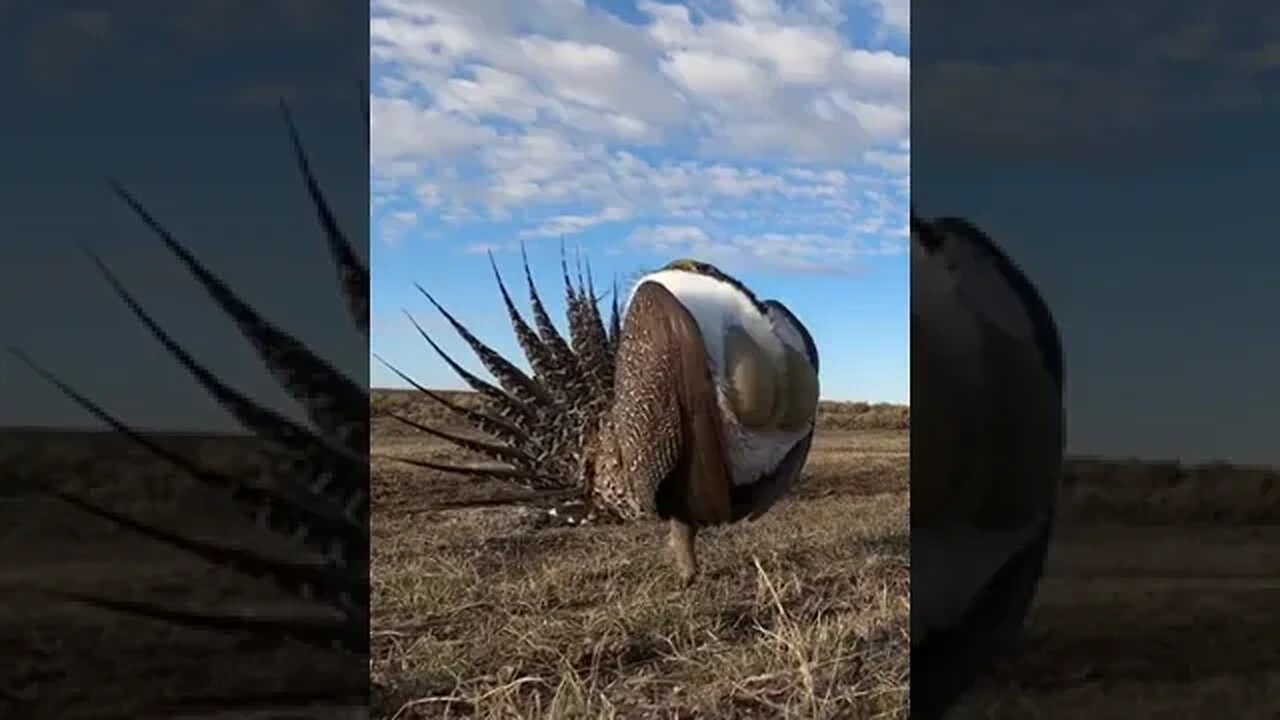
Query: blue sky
<point x="1125" y="155"/>
<point x="178" y="101"/>
<point x="768" y="138"/>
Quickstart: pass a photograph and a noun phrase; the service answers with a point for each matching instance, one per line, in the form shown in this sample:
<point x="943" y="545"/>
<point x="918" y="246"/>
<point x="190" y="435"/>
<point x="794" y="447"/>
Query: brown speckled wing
<point x="666" y="420"/>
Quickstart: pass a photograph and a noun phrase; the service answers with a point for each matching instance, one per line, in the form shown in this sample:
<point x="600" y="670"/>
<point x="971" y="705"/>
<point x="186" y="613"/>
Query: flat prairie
<point x="1159" y="599"/>
<point x="67" y="660"/>
<point x="485" y="608"/>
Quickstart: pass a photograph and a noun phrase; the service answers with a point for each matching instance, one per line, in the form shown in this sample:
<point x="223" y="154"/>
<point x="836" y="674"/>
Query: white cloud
<point x="396" y="225"/>
<point x="800" y="252"/>
<point x="560" y="225"/>
<point x="895" y="14"/>
<point x="719" y="76"/>
<point x="403" y="131"/>
<point x="565" y="117"/>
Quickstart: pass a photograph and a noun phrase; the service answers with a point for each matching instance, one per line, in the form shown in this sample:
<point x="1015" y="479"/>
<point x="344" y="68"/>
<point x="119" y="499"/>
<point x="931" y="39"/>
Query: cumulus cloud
<point x="566" y="118"/>
<point x="799" y="252"/>
<point x="396" y="225"/>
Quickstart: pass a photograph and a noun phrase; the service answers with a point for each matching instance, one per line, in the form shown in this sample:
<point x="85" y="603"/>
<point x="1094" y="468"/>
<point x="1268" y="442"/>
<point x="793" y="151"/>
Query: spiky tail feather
<point x="538" y="425"/>
<point x="318" y="494"/>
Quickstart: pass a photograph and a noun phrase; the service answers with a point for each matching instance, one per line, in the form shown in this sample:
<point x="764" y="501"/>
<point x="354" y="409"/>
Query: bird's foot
<point x="682" y="537"/>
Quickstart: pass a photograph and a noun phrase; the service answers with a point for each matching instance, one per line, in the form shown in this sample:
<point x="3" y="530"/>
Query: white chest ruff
<point x="715" y="307"/>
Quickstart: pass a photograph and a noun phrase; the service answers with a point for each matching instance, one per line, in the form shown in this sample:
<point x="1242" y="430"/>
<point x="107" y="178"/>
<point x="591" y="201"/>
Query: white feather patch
<point x="951" y="566"/>
<point x="716" y="306"/>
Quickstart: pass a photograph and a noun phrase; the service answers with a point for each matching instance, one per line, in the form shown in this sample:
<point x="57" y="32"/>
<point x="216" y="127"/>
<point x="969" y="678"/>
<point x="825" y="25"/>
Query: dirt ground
<point x="1159" y="600"/>
<point x="488" y="611"/>
<point x="65" y="660"/>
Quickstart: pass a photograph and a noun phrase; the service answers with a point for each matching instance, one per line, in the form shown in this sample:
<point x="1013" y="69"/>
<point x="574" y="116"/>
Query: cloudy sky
<point x="1125" y="154"/>
<point x="178" y="101"/>
<point x="770" y="138"/>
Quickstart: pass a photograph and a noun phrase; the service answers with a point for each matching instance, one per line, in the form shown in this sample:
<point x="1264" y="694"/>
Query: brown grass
<point x="64" y="660"/>
<point x="1150" y="492"/>
<point x="488" y="612"/>
<point x="1158" y="599"/>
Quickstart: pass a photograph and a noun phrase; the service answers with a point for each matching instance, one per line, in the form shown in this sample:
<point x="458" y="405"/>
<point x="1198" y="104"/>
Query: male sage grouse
<point x="987" y="440"/>
<point x="696" y="405"/>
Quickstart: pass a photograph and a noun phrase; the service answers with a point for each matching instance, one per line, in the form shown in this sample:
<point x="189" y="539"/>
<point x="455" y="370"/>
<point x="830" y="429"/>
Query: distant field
<point x="1159" y="599"/>
<point x="487" y="612"/>
<point x="64" y="660"/>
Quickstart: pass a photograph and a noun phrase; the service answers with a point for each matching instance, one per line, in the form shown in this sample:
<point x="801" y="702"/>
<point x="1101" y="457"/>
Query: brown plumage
<point x="698" y="421"/>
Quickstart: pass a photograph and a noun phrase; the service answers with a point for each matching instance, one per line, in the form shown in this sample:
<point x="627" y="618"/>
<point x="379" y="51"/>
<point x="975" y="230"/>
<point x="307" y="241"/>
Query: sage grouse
<point x="696" y="405"/>
<point x="987" y="439"/>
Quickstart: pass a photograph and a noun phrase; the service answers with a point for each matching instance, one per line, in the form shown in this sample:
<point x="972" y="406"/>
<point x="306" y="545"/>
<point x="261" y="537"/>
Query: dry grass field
<point x="484" y="609"/>
<point x="1159" y="599"/>
<point x="1159" y="594"/>
<point x="64" y="660"/>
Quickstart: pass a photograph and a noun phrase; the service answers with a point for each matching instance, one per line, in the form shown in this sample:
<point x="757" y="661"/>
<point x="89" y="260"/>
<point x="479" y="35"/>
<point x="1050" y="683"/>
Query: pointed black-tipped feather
<point x="324" y="580"/>
<point x="495" y="427"/>
<point x="570" y="291"/>
<point x="287" y="509"/>
<point x="577" y="261"/>
<point x="588" y="338"/>
<point x="521" y="477"/>
<point x="493" y="451"/>
<point x="597" y="321"/>
<point x="569" y="376"/>
<point x="558" y="433"/>
<point x="579" y="316"/>
<point x="547" y="329"/>
<point x="615" y="320"/>
<point x="598" y="355"/>
<point x="266" y="423"/>
<point x="511" y="378"/>
<point x="352" y="274"/>
<point x="508" y="407"/>
<point x="308" y="378"/>
<point x="535" y="350"/>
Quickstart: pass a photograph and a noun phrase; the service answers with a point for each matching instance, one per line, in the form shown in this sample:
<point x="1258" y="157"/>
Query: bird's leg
<point x="682" y="538"/>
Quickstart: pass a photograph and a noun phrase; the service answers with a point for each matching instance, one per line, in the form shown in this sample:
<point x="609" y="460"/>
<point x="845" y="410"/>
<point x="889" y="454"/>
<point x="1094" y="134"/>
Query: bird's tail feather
<point x="537" y="424"/>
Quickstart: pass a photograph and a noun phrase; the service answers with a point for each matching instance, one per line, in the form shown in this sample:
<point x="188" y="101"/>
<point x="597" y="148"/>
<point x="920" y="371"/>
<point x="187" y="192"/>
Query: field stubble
<point x="1158" y="599"/>
<point x="490" y="611"/>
